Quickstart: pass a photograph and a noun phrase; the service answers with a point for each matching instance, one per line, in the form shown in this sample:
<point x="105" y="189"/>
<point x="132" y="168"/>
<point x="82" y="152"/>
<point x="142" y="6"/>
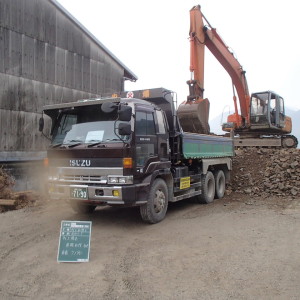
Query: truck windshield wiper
<point x="100" y="142"/>
<point x="108" y="140"/>
<point x="56" y="145"/>
<point x="74" y="145"/>
<point x="94" y="144"/>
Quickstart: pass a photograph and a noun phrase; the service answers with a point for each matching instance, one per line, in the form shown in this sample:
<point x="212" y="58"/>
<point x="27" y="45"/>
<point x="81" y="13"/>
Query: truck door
<point x="162" y="136"/>
<point x="146" y="139"/>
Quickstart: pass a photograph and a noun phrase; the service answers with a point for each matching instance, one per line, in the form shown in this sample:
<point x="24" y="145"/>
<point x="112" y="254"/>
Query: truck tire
<point x="208" y="189"/>
<point x="156" y="207"/>
<point x="220" y="183"/>
<point x="82" y="208"/>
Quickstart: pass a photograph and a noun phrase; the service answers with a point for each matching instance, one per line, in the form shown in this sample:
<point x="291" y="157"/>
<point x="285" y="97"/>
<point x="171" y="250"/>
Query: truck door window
<point x="144" y="123"/>
<point x="161" y="123"/>
<point x="145" y="137"/>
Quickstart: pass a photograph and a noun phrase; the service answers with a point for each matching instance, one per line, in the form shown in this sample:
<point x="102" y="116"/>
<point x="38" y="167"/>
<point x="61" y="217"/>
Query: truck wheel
<point x="208" y="188"/>
<point x="82" y="208"/>
<point x="220" y="184"/>
<point x="156" y="207"/>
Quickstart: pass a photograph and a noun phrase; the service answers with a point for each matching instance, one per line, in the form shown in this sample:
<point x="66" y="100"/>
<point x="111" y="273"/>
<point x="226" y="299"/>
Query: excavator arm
<point x="202" y="35"/>
<point x="226" y="58"/>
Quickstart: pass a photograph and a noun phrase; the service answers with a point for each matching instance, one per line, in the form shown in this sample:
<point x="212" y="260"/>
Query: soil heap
<point x="18" y="199"/>
<point x="265" y="172"/>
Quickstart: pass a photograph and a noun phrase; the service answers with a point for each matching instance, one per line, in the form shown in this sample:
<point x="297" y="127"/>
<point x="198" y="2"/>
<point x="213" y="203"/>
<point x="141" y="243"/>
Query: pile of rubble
<point x="266" y="172"/>
<point x="10" y="200"/>
<point x="6" y="183"/>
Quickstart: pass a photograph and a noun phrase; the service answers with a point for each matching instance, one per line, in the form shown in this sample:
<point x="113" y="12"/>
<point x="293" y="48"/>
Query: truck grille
<point x="83" y="178"/>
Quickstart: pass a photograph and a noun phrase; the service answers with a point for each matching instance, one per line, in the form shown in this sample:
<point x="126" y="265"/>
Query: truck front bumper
<point x="111" y="195"/>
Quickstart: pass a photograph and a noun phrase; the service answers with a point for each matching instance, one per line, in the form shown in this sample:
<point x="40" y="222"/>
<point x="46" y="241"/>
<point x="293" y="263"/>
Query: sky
<point x="151" y="39"/>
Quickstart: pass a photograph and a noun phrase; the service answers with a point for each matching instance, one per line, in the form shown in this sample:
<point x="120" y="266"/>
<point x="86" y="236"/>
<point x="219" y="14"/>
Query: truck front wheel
<point x="208" y="188"/>
<point x="156" y="207"/>
<point x="220" y="184"/>
<point x="82" y="208"/>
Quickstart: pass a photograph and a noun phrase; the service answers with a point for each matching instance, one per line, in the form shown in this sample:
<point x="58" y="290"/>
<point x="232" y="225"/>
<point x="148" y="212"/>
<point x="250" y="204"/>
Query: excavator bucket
<point x="193" y="116"/>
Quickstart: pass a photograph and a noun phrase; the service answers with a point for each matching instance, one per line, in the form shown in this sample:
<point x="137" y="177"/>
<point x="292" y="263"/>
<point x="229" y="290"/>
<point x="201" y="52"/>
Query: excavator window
<point x="281" y="105"/>
<point x="258" y="106"/>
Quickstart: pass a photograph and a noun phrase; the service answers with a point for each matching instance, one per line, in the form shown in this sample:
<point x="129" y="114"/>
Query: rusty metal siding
<point x="46" y="57"/>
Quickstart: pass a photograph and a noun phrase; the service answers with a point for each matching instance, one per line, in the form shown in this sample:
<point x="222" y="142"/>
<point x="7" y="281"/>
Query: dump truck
<point x="130" y="150"/>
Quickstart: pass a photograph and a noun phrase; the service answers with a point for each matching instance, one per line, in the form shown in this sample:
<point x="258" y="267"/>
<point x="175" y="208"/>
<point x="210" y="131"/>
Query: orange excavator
<point x="260" y="119"/>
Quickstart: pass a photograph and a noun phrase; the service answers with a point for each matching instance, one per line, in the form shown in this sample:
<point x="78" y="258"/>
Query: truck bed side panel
<point x="206" y="146"/>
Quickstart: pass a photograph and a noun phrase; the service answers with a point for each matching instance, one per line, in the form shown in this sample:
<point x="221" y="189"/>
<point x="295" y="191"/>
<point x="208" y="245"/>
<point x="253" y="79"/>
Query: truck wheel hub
<point x="159" y="201"/>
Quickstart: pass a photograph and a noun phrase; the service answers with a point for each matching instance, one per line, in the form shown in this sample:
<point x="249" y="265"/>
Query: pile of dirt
<point x="6" y="184"/>
<point x="266" y="172"/>
<point x="10" y="200"/>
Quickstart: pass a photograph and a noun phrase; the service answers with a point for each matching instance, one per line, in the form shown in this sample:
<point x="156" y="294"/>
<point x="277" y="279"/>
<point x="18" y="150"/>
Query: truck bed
<point x="206" y="146"/>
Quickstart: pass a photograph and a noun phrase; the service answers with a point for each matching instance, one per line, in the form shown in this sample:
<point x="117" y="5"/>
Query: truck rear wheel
<point x="208" y="188"/>
<point x="156" y="207"/>
<point x="82" y="208"/>
<point x="220" y="183"/>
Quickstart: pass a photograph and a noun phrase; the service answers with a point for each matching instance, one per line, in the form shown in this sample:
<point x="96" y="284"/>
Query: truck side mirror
<point x="108" y="107"/>
<point x="41" y="124"/>
<point x="124" y="129"/>
<point x="125" y="113"/>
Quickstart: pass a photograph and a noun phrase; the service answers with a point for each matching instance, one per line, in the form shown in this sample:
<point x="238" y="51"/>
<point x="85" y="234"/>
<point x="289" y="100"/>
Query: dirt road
<point x="231" y="249"/>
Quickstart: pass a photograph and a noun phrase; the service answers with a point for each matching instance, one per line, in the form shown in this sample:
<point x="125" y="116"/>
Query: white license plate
<point x="78" y="193"/>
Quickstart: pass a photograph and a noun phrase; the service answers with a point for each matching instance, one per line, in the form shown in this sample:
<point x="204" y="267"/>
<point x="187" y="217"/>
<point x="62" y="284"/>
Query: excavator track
<point x="289" y="141"/>
<point x="284" y="141"/>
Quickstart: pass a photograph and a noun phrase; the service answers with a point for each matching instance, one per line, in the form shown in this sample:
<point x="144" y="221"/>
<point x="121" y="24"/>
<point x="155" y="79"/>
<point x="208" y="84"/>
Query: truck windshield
<point x="85" y="125"/>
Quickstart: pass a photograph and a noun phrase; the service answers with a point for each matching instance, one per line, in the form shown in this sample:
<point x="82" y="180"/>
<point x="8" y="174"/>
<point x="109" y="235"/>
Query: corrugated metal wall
<point x="45" y="58"/>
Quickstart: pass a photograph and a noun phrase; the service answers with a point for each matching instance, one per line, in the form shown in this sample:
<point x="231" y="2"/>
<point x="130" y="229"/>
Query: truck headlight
<point x="113" y="180"/>
<point x="119" y="180"/>
<point x="122" y="180"/>
<point x="53" y="174"/>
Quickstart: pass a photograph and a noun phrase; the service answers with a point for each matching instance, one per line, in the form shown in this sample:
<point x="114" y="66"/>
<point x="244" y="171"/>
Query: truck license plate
<point x="78" y="193"/>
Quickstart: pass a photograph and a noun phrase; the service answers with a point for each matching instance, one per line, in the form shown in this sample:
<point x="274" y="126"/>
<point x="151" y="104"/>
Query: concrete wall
<point x="46" y="57"/>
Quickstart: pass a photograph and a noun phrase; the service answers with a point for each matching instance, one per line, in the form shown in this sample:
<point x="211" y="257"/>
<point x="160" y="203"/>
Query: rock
<point x="267" y="172"/>
<point x="248" y="191"/>
<point x="294" y="164"/>
<point x="294" y="192"/>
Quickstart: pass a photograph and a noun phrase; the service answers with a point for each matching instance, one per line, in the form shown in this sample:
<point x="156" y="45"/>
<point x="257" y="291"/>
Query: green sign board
<point x="74" y="241"/>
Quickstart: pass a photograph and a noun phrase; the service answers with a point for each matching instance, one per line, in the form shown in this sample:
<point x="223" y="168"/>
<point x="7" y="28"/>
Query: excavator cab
<point x="267" y="113"/>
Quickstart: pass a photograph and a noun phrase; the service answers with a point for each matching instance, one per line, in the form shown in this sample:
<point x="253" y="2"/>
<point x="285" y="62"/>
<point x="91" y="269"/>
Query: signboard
<point x="74" y="241"/>
<point x="185" y="182"/>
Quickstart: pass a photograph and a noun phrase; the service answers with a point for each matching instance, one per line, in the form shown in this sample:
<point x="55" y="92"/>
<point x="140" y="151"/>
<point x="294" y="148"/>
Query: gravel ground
<point x="240" y="247"/>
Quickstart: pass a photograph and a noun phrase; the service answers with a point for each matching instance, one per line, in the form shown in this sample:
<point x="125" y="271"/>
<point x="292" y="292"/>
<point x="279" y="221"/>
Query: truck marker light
<point x="51" y="188"/>
<point x="116" y="193"/>
<point x="46" y="162"/>
<point x="127" y="162"/>
<point x="146" y="94"/>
